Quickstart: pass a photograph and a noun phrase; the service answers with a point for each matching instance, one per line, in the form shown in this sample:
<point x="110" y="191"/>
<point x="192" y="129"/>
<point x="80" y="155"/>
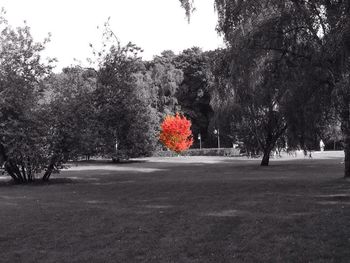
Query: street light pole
<point x="218" y="138"/>
<point x="217" y="132"/>
<point x="200" y="140"/>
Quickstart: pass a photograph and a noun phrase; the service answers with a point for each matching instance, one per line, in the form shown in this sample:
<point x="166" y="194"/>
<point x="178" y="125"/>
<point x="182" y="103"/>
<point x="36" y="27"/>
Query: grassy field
<point x="182" y="209"/>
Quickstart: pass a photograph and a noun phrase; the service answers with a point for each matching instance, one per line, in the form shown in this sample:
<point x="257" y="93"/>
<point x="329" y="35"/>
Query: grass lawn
<point x="182" y="209"/>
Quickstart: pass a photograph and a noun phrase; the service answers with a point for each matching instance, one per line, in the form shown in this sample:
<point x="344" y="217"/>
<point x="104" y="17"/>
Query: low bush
<point x="201" y="152"/>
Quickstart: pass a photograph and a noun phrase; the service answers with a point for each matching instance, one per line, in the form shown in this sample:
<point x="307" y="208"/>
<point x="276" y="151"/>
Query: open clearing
<point x="181" y="209"/>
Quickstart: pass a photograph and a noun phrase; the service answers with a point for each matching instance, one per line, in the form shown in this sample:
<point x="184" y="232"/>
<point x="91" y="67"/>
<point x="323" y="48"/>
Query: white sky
<point x="154" y="25"/>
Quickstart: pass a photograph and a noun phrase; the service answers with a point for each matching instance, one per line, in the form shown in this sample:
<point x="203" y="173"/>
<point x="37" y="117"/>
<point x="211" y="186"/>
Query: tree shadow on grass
<point x="38" y="182"/>
<point x="128" y="162"/>
<point x="105" y="162"/>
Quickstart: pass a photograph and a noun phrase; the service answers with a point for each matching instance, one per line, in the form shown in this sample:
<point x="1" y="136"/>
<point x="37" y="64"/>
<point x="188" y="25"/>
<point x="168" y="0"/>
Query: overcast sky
<point x="154" y="25"/>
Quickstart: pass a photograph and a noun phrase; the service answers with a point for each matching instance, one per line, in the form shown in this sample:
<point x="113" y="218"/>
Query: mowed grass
<point x="182" y="209"/>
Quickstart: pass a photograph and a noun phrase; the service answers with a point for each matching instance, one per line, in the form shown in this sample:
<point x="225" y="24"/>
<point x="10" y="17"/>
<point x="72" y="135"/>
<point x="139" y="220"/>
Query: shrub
<point x="176" y="133"/>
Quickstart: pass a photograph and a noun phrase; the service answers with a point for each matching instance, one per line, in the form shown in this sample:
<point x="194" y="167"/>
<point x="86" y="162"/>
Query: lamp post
<point x="200" y="140"/>
<point x="116" y="145"/>
<point x="217" y="132"/>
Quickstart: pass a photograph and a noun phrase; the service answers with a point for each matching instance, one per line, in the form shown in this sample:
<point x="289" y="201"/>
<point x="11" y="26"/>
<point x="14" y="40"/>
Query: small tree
<point x="176" y="133"/>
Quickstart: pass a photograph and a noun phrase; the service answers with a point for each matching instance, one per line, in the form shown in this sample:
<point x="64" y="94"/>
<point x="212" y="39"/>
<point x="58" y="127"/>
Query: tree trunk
<point x="345" y="127"/>
<point x="266" y="158"/>
<point x="48" y="172"/>
<point x="14" y="172"/>
<point x="346" y="134"/>
<point x="50" y="168"/>
<point x="24" y="173"/>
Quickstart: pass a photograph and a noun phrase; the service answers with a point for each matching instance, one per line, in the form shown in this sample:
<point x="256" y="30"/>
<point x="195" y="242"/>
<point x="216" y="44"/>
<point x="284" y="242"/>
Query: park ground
<point x="181" y="209"/>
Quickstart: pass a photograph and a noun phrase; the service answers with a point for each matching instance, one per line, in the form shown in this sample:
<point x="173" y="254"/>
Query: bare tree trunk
<point x="270" y="144"/>
<point x="273" y="134"/>
<point x="346" y="134"/>
<point x="345" y="127"/>
<point x="25" y="179"/>
<point x="13" y="170"/>
<point x="49" y="169"/>
<point x="48" y="172"/>
<point x="9" y="171"/>
<point x="266" y="158"/>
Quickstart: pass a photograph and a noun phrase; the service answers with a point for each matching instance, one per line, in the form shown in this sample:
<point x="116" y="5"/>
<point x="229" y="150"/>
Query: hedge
<point x="201" y="152"/>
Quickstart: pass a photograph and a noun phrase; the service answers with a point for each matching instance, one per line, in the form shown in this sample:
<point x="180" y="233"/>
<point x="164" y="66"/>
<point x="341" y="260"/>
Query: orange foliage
<point x="176" y="133"/>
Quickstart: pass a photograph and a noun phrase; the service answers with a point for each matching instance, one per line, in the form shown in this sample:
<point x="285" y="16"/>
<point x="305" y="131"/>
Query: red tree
<point x="176" y="133"/>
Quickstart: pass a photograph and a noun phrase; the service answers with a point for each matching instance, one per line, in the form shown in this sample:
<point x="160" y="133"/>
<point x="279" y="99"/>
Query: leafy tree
<point x="193" y="94"/>
<point x="166" y="80"/>
<point x="22" y="148"/>
<point x="71" y="114"/>
<point x="337" y="45"/>
<point x="121" y="101"/>
<point x="256" y="100"/>
<point x="176" y="133"/>
<point x="284" y="43"/>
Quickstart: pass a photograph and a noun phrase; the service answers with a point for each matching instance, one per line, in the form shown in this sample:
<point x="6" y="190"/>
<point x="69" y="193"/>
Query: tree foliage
<point x="166" y="78"/>
<point x="193" y="94"/>
<point x="292" y="54"/>
<point x="176" y="133"/>
<point x="23" y="150"/>
<point x="71" y="114"/>
<point x="122" y="103"/>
